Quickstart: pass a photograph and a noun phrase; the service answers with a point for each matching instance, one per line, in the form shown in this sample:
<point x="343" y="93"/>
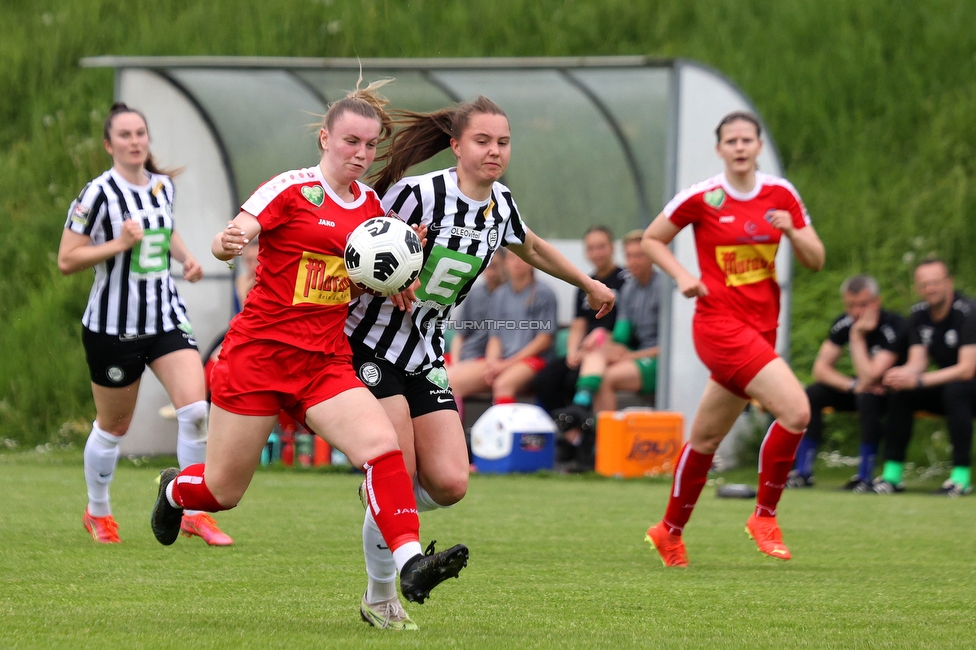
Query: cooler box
<point x="637" y="442"/>
<point x="513" y="438"/>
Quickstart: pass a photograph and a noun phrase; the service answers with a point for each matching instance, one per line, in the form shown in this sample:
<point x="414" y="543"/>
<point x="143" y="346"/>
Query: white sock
<point x="101" y="456"/>
<point x="380" y="567"/>
<point x="191" y="434"/>
<point x="191" y="437"/>
<point x="406" y="552"/>
<point x="425" y="503"/>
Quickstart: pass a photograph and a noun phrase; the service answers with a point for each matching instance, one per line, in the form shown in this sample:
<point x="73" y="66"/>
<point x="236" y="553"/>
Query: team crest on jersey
<point x="951" y="338"/>
<point x="493" y="237"/>
<point x="715" y="198"/>
<point x="369" y="373"/>
<point x="438" y="377"/>
<point x="114" y="373"/>
<point x="315" y="194"/>
<point x="157" y="188"/>
<point x="925" y="333"/>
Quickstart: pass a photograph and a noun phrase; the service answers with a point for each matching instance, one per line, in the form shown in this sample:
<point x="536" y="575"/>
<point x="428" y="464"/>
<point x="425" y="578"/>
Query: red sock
<point x="390" y="498"/>
<point x="191" y="492"/>
<point x="504" y="399"/>
<point x="690" y="475"/>
<point x="775" y="461"/>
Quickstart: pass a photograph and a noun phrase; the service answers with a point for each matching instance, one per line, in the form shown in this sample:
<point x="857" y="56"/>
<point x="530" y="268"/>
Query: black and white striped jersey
<point x="462" y="236"/>
<point x="133" y="293"/>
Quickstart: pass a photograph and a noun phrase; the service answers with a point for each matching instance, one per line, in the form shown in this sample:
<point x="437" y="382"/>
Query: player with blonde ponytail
<point x="287" y="350"/>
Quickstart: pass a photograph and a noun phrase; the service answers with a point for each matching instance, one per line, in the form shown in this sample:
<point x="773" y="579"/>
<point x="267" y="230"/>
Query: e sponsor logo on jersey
<point x="322" y="280"/>
<point x="445" y="273"/>
<point x="727" y="218"/>
<point x="314" y="194"/>
<point x="746" y="264"/>
<point x="151" y="254"/>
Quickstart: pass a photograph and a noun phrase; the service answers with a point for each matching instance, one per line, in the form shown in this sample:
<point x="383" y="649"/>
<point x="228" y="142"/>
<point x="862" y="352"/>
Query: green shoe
<point x="387" y="615"/>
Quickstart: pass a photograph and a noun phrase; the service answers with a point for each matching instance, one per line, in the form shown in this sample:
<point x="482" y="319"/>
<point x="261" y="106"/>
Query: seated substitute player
<point x="877" y="340"/>
<point x="628" y="359"/>
<point x="471" y="339"/>
<point x="941" y="331"/>
<point x="524" y="314"/>
<point x="555" y="385"/>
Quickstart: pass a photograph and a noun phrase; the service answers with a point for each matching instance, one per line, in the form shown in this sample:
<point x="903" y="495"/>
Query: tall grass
<point x="869" y="103"/>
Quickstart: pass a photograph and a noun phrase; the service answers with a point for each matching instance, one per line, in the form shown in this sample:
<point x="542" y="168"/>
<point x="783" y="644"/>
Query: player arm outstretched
<point x="655" y="243"/>
<point x="544" y="256"/>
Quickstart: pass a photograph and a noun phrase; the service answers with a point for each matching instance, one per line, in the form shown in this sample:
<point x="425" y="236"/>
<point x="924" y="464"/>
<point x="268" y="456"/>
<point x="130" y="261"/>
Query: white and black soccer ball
<point x="383" y="255"/>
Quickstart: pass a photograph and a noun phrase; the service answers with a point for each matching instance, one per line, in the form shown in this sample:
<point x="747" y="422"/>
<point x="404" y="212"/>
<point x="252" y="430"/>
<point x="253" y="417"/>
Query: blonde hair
<point x="365" y="102"/>
<point x="633" y="236"/>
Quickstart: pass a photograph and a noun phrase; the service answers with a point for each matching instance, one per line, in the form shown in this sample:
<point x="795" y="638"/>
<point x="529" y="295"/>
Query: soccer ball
<point x="383" y="256"/>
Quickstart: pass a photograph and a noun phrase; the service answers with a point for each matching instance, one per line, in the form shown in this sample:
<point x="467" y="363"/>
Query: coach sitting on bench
<point x="877" y="340"/>
<point x="942" y="329"/>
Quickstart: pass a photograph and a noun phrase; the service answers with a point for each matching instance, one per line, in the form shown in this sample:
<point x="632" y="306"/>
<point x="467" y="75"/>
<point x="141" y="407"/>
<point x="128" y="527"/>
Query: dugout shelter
<point x="596" y="140"/>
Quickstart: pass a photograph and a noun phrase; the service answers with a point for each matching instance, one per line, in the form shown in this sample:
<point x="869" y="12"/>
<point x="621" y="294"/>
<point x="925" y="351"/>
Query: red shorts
<point x="262" y="377"/>
<point x="733" y="351"/>
<point x="536" y="363"/>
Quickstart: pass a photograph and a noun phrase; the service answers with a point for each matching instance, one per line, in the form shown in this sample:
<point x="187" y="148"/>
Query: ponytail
<point x="423" y="135"/>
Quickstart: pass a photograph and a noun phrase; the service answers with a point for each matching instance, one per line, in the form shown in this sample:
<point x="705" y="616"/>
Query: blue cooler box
<point x="513" y="438"/>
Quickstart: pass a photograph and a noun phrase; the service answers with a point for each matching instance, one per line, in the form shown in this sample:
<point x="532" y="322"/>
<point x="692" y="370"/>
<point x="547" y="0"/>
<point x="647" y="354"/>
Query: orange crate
<point x="637" y="443"/>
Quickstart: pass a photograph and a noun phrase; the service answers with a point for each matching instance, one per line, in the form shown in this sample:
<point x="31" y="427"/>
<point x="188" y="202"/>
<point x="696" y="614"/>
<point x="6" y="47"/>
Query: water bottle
<point x="287" y="449"/>
<point x="272" y="450"/>
<point x="322" y="452"/>
<point x="339" y="458"/>
<point x="303" y="446"/>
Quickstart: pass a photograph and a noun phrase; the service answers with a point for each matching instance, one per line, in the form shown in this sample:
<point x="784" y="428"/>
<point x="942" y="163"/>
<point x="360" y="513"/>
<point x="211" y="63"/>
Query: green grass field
<point x="556" y="561"/>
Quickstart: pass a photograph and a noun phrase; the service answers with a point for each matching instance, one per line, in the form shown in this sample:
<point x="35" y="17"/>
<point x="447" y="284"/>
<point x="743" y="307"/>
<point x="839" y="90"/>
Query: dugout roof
<point x="595" y="140"/>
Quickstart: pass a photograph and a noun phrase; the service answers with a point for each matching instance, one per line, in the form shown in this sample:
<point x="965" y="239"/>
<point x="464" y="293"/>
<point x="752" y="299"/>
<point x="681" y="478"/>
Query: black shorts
<point x="426" y="391"/>
<point x="117" y="362"/>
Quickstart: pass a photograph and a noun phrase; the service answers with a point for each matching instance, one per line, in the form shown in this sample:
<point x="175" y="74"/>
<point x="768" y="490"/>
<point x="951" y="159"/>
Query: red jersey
<point x="736" y="244"/>
<point x="301" y="292"/>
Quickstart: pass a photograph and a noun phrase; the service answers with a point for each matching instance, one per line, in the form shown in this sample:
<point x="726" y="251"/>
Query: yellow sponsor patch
<point x="322" y="279"/>
<point x="746" y="264"/>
